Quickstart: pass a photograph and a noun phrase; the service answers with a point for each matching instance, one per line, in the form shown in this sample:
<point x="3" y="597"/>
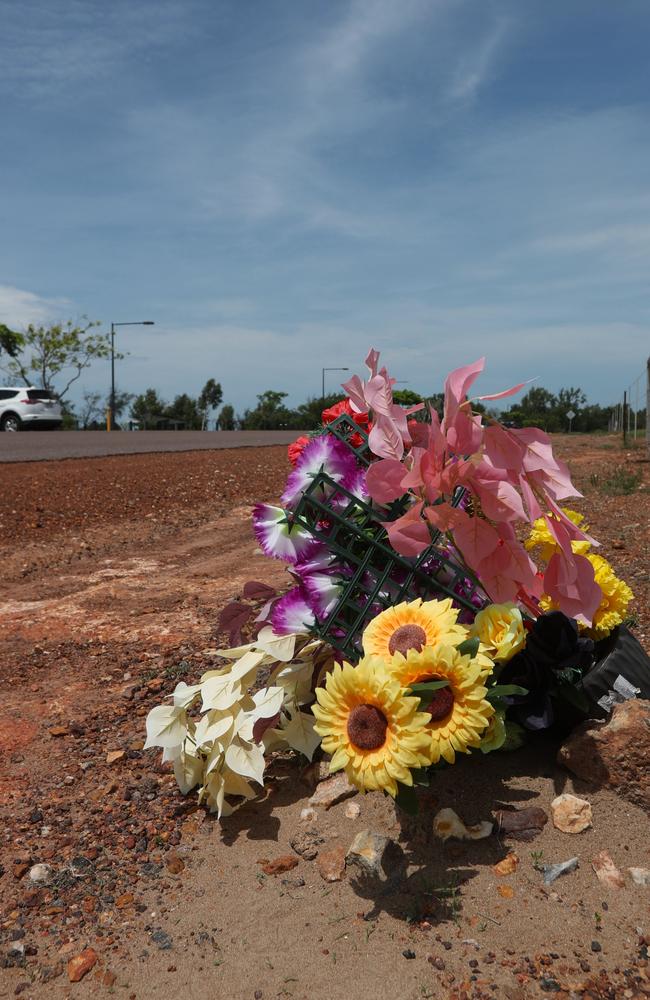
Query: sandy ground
<point x="115" y="570"/>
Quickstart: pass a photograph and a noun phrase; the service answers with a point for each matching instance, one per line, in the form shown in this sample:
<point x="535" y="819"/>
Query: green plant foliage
<point x="54" y="357"/>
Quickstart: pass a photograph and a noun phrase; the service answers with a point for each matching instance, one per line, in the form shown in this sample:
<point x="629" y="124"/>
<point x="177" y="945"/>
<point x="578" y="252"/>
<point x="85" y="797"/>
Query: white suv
<point x="26" y="406"/>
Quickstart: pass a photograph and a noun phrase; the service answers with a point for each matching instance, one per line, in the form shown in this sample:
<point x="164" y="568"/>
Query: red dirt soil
<point x="115" y="571"/>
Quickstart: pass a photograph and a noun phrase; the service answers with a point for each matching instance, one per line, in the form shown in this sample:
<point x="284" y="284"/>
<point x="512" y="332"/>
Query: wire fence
<point x="629" y="414"/>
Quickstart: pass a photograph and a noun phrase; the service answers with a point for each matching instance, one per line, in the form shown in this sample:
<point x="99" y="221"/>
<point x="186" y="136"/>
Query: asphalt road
<point x="45" y="446"/>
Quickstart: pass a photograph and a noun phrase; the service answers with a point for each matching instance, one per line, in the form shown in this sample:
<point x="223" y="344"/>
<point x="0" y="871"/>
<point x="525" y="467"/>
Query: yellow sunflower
<point x="413" y="625"/>
<point x="371" y="728"/>
<point x="612" y="609"/>
<point x="459" y="712"/>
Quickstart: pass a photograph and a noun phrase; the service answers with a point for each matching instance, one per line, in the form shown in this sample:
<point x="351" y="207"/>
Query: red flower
<point x="332" y="412"/>
<point x="344" y="407"/>
<point x="295" y="449"/>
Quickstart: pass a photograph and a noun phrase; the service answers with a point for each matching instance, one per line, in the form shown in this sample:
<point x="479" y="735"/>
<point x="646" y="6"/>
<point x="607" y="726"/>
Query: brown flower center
<point x="367" y="727"/>
<point x="407" y="637"/>
<point x="442" y="701"/>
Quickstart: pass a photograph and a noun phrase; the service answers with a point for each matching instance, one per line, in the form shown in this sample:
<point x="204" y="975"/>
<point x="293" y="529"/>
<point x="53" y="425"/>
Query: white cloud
<point x="476" y="65"/>
<point x="19" y="308"/>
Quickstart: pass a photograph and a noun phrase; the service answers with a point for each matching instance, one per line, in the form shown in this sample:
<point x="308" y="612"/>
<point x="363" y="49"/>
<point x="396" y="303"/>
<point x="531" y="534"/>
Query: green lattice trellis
<point x="378" y="576"/>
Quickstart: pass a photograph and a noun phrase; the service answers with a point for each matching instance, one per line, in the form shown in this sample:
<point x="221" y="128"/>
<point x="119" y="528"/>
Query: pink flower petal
<point x="409" y="534"/>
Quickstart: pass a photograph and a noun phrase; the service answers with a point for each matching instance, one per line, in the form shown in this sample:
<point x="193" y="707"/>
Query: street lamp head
<point x="148" y="322"/>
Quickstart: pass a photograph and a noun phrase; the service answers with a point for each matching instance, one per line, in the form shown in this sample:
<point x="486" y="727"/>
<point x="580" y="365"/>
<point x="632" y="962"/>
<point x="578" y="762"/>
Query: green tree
<point x="148" y="409"/>
<point x="53" y="357"/>
<point x="308" y="416"/>
<point x="10" y="341"/>
<point x="270" y="414"/>
<point x="210" y="399"/>
<point x="185" y="410"/>
<point x="91" y="409"/>
<point x="226" y="418"/>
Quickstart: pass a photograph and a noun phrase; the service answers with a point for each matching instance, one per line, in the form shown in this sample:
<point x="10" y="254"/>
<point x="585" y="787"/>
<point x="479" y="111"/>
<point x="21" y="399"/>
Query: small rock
<point x="81" y="964"/>
<point x="507" y="866"/>
<point x="551" y="872"/>
<point x="521" y="824"/>
<point x="279" y="865"/>
<point x="447" y="823"/>
<point x="571" y="814"/>
<point x="373" y="854"/>
<point x="331" y="864"/>
<point x="596" y="946"/>
<point x="308" y="815"/>
<point x="126" y="899"/>
<point x="59" y="731"/>
<point x="352" y="810"/>
<point x="114" y="755"/>
<point x="407" y="953"/>
<point x="20" y="868"/>
<point x="41" y="874"/>
<point x="306" y="844"/>
<point x="437" y="963"/>
<point x="174" y="863"/>
<point x="332" y="791"/>
<point x="607" y="871"/>
<point x="640" y="876"/>
<point x="106" y="977"/>
<point x="162" y="939"/>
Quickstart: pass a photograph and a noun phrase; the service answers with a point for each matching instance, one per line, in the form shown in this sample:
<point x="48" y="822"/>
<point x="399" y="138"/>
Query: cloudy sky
<point x="280" y="184"/>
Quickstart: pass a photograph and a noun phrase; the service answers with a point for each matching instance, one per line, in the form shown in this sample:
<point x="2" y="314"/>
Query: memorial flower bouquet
<point x="443" y="599"/>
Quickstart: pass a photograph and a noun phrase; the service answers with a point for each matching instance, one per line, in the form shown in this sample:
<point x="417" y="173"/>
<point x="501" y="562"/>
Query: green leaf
<point x="428" y="687"/>
<point x="469" y="647"/>
<point x="407" y="799"/>
<point x="505" y="691"/>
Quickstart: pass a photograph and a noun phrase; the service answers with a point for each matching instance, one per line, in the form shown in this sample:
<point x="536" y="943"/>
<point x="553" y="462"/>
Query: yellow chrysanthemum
<point x="413" y="625"/>
<point x="612" y="609"/>
<point x="373" y="730"/>
<point x="541" y="537"/>
<point x="501" y="631"/>
<point x="459" y="712"/>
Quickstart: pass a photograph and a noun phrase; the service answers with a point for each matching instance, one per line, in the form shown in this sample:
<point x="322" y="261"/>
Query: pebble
<point x="408" y="953"/>
<point x="307" y="843"/>
<point x="162" y="939"/>
<point x="81" y="964"/>
<point x="571" y="814"/>
<point x="596" y="946"/>
<point x="376" y="855"/>
<point x="41" y="874"/>
<point x="331" y="864"/>
<point x="332" y="791"/>
<point x="282" y="864"/>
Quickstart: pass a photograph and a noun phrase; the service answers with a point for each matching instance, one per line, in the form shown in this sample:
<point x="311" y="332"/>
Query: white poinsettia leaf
<point x="273" y="739"/>
<point x="300" y="735"/>
<point x="248" y="663"/>
<point x="247" y="760"/>
<point x="280" y="647"/>
<point x="166" y="727"/>
<point x="184" y="694"/>
<point x="215" y="726"/>
<point x="236" y="785"/>
<point x="296" y="679"/>
<point x="219" y="692"/>
<point x="188" y="771"/>
<point x="268" y="702"/>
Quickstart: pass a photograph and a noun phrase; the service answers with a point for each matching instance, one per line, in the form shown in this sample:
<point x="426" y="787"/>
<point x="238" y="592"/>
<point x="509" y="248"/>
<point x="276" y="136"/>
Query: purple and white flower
<point x="292" y="613"/>
<point x="278" y="537"/>
<point x="323" y="454"/>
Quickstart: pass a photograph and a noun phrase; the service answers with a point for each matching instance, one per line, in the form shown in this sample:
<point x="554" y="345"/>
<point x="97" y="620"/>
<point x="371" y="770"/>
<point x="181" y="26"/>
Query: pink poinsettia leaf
<point x="372" y="360"/>
<point x="503" y="450"/>
<point x="384" y="480"/>
<point x="384" y="439"/>
<point x="464" y="432"/>
<point x="444" y="517"/>
<point x="477" y="540"/>
<point x="419" y="434"/>
<point x="409" y="535"/>
<point x="457" y="384"/>
<point x="254" y="590"/>
<point x="413" y="471"/>
<point x="355" y="390"/>
<point x="379" y="395"/>
<point x="532" y="503"/>
<point x="538" y="451"/>
<point x="507" y="392"/>
<point x="571" y="585"/>
<point x="499" y="499"/>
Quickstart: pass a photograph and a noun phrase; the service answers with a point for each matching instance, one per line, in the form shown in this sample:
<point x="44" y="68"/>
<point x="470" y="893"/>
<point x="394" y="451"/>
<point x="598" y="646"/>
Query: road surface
<point x="43" y="446"/>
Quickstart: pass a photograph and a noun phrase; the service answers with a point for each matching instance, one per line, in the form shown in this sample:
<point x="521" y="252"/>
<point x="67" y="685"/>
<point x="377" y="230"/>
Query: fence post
<point x="624" y="415"/>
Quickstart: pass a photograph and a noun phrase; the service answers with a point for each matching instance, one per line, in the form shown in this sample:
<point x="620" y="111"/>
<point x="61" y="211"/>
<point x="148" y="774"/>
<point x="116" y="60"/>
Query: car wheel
<point x="11" y="422"/>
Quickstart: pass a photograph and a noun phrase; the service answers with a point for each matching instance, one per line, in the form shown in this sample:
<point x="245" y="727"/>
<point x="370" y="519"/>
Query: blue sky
<point x="280" y="185"/>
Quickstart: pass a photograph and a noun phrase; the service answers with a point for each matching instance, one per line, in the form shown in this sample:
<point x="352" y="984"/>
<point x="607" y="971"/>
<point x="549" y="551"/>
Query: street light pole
<point x="141" y="322"/>
<point x="323" y="377"/>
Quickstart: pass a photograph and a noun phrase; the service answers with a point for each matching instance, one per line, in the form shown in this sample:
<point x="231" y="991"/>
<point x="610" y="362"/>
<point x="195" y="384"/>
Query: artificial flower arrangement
<point x="418" y="626"/>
